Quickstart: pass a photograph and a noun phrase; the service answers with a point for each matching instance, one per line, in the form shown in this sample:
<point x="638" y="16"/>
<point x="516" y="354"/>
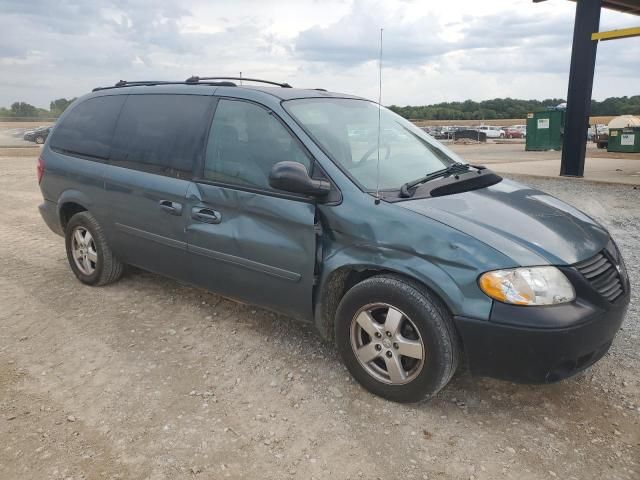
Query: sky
<point x="433" y="51"/>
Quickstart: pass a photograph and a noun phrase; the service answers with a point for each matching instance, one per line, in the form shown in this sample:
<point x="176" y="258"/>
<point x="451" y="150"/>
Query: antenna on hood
<point x="377" y="200"/>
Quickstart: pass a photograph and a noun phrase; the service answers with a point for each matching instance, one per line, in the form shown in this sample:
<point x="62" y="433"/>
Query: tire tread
<point x="112" y="269"/>
<point x="434" y="309"/>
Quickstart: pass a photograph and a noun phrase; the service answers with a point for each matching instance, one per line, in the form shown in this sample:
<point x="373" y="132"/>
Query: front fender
<point x="369" y="257"/>
<point x="450" y="270"/>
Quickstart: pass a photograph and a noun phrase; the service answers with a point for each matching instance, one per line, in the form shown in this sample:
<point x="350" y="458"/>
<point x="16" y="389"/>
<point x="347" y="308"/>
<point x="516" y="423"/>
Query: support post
<point x="583" y="62"/>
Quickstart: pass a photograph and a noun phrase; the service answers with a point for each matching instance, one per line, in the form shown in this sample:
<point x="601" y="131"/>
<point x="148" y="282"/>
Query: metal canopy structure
<point x="586" y="35"/>
<point x="625" y="6"/>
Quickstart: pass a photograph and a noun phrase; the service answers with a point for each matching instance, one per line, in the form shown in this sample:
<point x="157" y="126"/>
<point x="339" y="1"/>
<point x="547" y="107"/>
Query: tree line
<point x="25" y="110"/>
<point x="510" y="108"/>
<point x="467" y="110"/>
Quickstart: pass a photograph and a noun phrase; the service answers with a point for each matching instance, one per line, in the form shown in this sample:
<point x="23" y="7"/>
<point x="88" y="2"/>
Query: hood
<point x="529" y="226"/>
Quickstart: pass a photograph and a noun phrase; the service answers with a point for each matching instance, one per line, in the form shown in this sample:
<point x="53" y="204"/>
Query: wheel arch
<point x="70" y="203"/>
<point x="339" y="280"/>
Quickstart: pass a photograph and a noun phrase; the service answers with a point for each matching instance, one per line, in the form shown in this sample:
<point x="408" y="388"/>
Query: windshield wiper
<point x="406" y="189"/>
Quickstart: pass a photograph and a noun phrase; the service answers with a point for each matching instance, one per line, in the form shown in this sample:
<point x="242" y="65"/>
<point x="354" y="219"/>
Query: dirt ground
<point x="152" y="379"/>
<point x="508" y="151"/>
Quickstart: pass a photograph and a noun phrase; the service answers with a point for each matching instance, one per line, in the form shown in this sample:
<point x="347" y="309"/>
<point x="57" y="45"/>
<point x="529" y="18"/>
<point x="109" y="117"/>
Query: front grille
<point x="603" y="274"/>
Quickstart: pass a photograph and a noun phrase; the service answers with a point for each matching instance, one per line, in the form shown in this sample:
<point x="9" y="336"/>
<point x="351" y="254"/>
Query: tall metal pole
<point x="583" y="62"/>
<point x="379" y="112"/>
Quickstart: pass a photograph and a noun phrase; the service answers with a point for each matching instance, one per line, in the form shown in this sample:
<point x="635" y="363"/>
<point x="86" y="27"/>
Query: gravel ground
<point x="149" y="378"/>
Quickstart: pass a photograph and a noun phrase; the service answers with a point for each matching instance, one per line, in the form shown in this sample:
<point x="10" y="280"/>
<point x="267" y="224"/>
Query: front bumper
<point x="543" y="344"/>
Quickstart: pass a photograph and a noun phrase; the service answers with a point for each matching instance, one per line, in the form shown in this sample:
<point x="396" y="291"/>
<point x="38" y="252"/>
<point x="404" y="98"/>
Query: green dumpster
<point x="545" y="130"/>
<point x="624" y="140"/>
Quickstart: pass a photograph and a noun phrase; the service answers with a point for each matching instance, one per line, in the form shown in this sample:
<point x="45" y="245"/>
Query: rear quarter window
<point x="162" y="134"/>
<point x="88" y="128"/>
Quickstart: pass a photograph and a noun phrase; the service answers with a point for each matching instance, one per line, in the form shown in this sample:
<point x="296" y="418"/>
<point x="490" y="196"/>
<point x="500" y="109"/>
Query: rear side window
<point x="162" y="134"/>
<point x="88" y="128"/>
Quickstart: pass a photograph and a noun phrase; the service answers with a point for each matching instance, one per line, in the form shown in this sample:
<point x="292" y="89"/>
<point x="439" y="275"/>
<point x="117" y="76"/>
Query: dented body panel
<point x="261" y="251"/>
<point x="529" y="226"/>
<point x="361" y="235"/>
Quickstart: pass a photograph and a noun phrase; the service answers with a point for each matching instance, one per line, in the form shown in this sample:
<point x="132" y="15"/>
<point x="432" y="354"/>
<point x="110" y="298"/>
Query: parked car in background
<point x="597" y="131"/>
<point x="511" y="132"/>
<point x="521" y="128"/>
<point x="601" y="139"/>
<point x="492" y="132"/>
<point x="444" y="133"/>
<point x="38" y="135"/>
<point x="429" y="130"/>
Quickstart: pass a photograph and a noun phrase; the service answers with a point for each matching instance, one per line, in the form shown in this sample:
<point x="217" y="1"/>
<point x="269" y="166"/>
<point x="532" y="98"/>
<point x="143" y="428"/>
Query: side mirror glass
<point x="293" y="177"/>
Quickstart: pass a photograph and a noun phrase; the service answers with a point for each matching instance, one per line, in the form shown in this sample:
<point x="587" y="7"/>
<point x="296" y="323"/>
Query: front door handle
<point x="172" y="208"/>
<point x="205" y="215"/>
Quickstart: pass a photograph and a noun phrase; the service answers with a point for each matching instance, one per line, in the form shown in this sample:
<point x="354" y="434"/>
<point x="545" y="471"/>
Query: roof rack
<point x="196" y="79"/>
<point x="149" y="83"/>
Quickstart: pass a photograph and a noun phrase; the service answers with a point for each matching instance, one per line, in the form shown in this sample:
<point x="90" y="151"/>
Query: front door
<point x="245" y="240"/>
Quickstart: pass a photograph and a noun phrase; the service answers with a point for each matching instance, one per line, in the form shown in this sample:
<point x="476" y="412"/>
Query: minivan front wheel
<point x="396" y="338"/>
<point x="88" y="252"/>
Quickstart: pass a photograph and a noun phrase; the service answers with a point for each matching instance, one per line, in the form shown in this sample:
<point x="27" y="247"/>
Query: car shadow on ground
<point x="573" y="399"/>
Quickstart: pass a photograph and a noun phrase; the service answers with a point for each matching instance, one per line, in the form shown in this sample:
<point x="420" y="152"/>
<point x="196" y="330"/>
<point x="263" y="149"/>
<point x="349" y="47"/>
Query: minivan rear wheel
<point x="89" y="255"/>
<point x="396" y="338"/>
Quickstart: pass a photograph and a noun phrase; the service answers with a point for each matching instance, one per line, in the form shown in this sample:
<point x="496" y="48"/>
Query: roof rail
<point x="149" y="83"/>
<point x="196" y="79"/>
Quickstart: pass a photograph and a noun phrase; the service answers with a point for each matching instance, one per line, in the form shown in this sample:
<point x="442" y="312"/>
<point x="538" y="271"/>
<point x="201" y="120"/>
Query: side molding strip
<point x="170" y="242"/>
<point x="243" y="262"/>
<point x="205" y="252"/>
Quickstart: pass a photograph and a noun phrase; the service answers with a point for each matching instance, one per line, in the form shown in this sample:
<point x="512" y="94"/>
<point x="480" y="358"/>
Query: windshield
<point x="347" y="129"/>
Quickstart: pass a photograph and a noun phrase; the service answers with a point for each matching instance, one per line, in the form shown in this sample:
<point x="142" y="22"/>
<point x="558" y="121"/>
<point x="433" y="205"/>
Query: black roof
<point x="290" y="93"/>
<point x="283" y="91"/>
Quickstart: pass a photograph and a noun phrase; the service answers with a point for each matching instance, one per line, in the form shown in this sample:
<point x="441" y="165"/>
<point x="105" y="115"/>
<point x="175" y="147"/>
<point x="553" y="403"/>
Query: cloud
<point x="512" y="29"/>
<point x="107" y="40"/>
<point x="354" y="38"/>
<point x="515" y="43"/>
<point x="432" y="51"/>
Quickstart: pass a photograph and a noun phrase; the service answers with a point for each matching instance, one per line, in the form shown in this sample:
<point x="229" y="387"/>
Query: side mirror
<point x="293" y="177"/>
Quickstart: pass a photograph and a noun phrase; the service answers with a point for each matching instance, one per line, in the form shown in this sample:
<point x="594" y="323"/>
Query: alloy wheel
<point x="387" y="344"/>
<point x="84" y="251"/>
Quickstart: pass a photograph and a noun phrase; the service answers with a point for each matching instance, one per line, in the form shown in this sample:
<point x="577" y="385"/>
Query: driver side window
<point x="245" y="142"/>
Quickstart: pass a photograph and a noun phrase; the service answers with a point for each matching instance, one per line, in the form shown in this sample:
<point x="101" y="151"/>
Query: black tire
<point x="39" y="140"/>
<point x="108" y="268"/>
<point x="432" y="320"/>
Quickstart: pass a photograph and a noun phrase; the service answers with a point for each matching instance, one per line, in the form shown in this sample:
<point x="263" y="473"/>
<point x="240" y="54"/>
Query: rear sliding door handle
<point x="172" y="208"/>
<point x="205" y="215"/>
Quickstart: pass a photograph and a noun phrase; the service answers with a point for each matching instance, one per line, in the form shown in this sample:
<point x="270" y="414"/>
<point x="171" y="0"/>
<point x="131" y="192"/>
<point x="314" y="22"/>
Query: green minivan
<point x="333" y="210"/>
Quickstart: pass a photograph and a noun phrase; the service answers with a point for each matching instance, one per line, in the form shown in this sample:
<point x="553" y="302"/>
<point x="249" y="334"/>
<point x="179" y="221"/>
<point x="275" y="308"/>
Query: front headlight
<point x="528" y="286"/>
